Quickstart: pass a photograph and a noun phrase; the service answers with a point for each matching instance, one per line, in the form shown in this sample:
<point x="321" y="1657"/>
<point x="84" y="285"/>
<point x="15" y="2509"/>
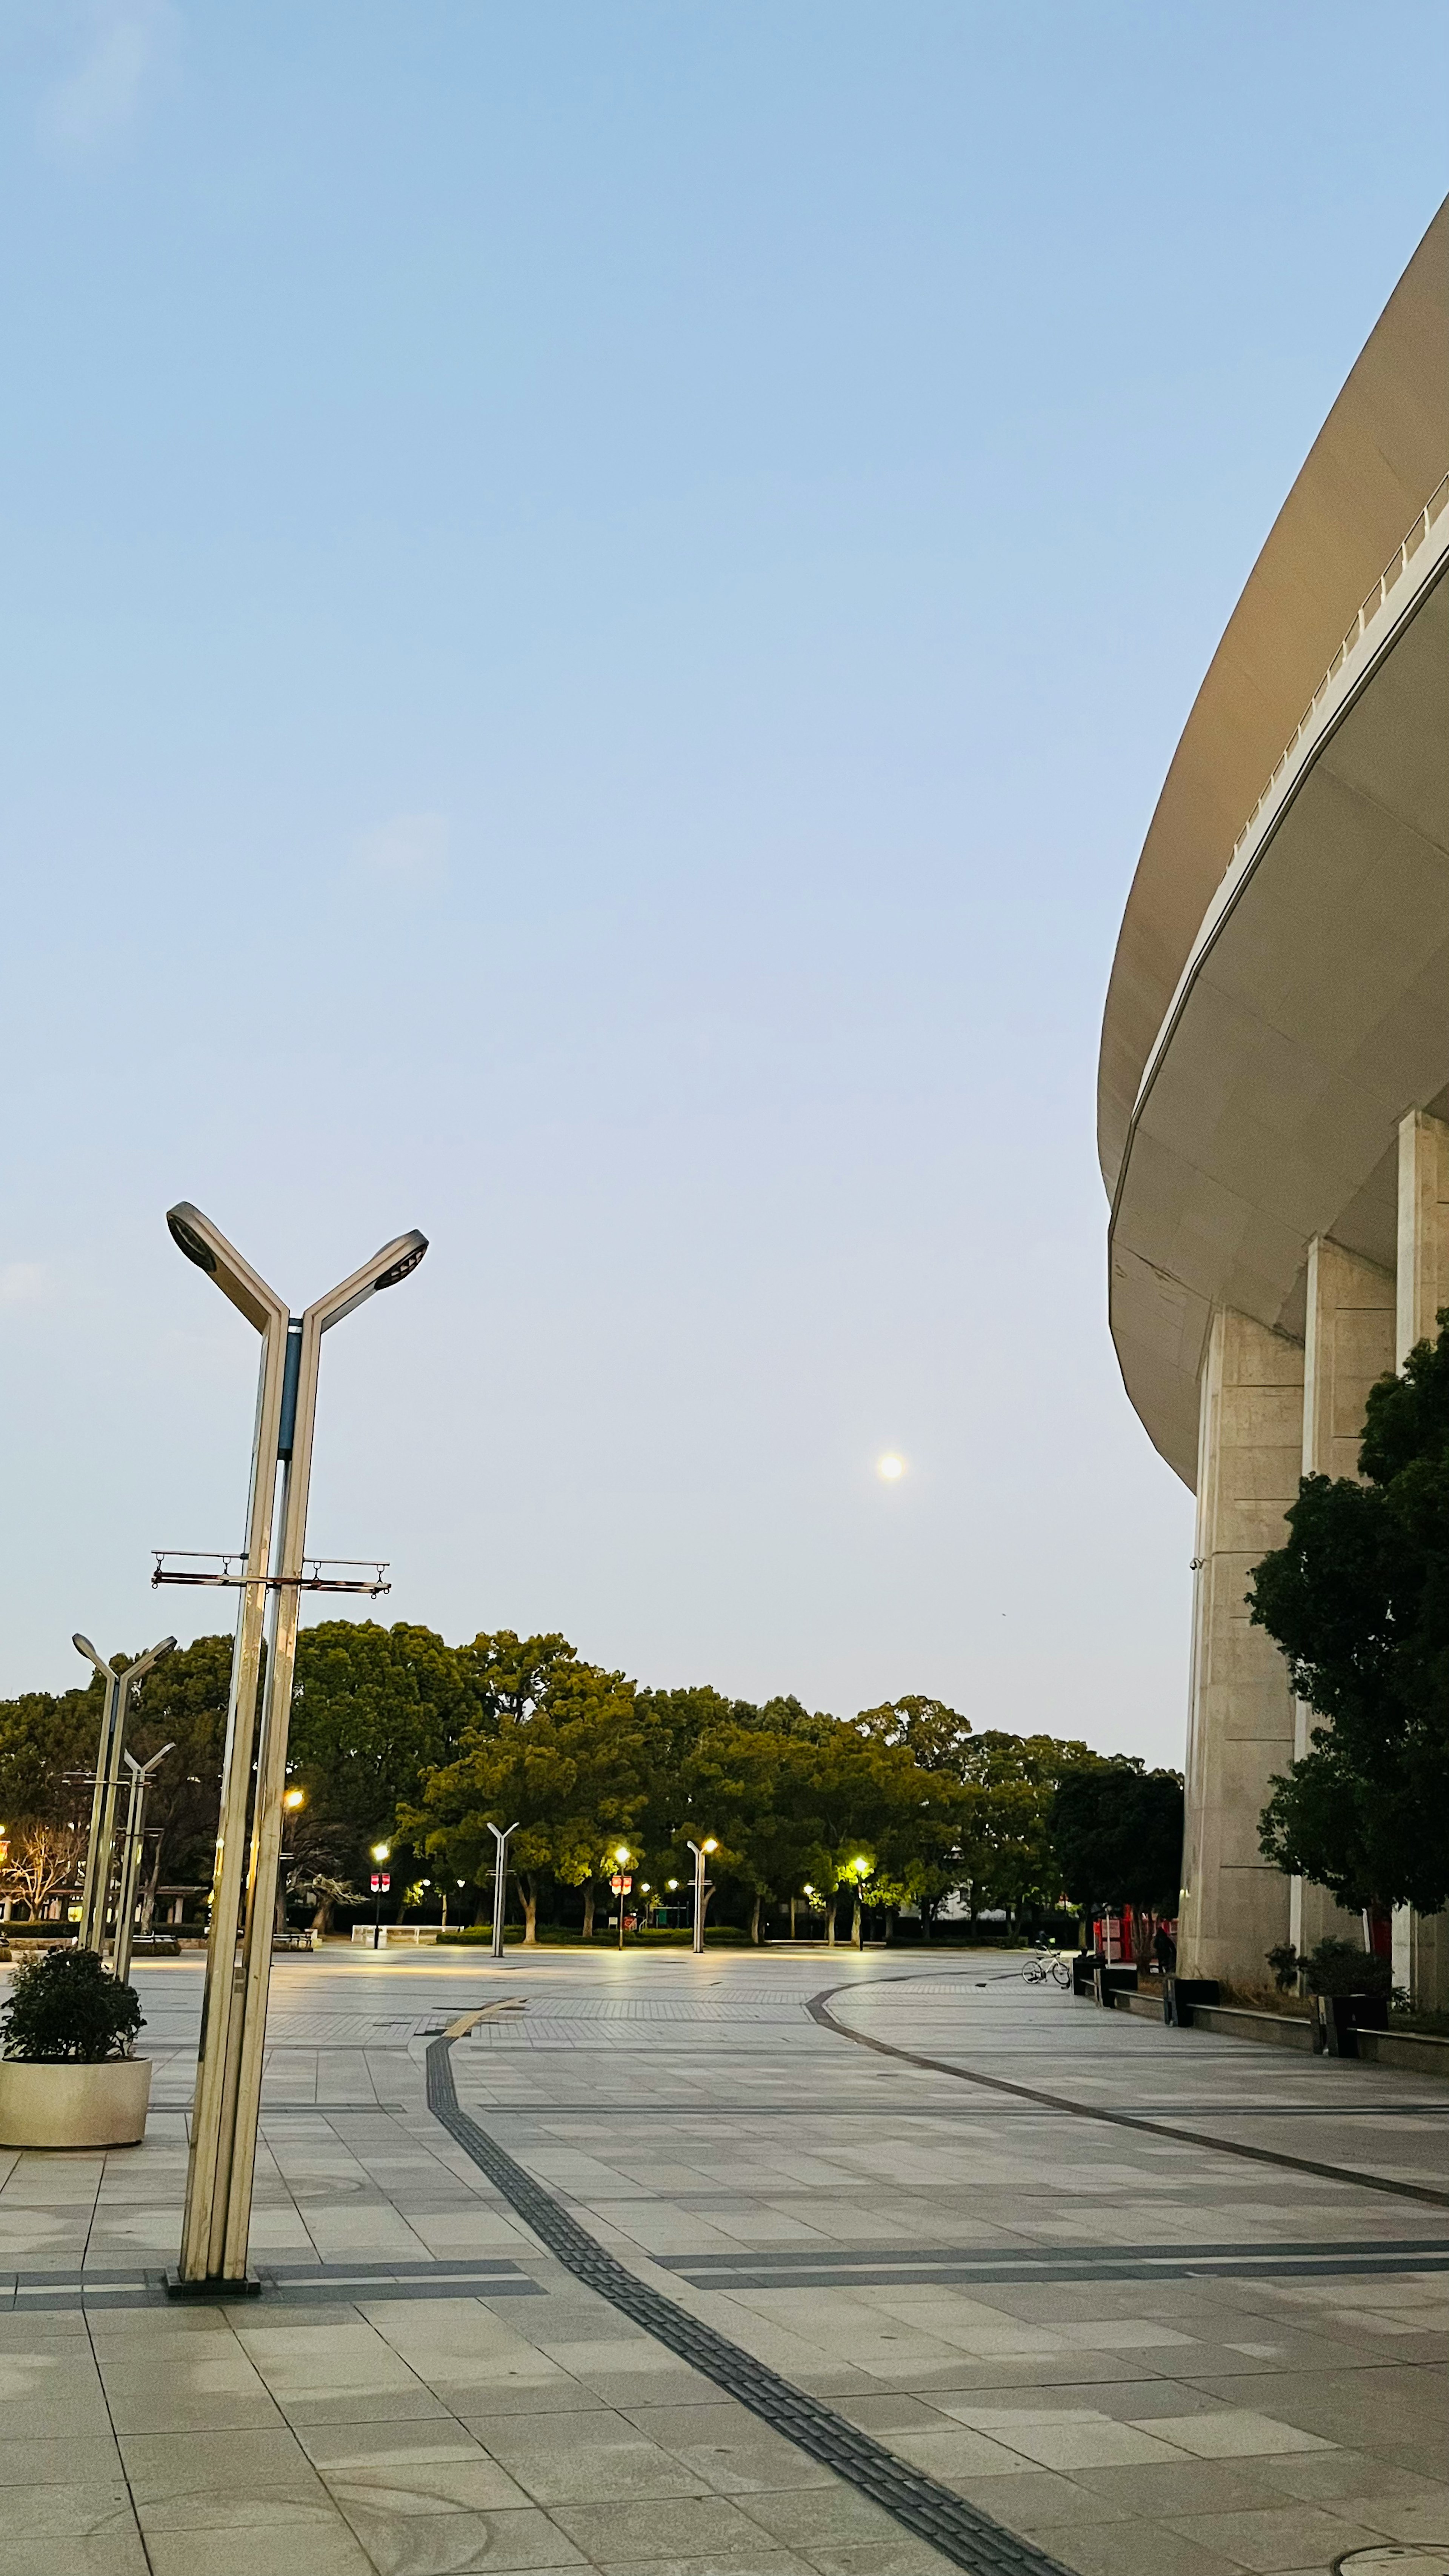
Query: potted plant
<point x="1350" y="1990"/>
<point x="68" y="2077"/>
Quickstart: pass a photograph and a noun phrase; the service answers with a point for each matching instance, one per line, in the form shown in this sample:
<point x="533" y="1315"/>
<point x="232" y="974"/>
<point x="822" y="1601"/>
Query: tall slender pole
<point x="141" y="1777"/>
<point x="92" y="1931"/>
<point x="699" y="1850"/>
<point x="208" y="2175"/>
<point x="234" y="2018"/>
<point x="502" y="1837"/>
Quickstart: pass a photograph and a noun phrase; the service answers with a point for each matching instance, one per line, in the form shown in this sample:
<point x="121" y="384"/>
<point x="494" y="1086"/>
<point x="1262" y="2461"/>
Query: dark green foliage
<point x="1358" y="1600"/>
<point x="1283" y="1960"/>
<point x="65" y="2008"/>
<point x="1117" y="1832"/>
<point x="1337" y="1967"/>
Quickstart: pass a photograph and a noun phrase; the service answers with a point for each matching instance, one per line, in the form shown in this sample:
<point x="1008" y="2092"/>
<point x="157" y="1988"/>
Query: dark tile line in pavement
<point x="1042" y="2258"/>
<point x="819" y="2009"/>
<point x="929" y="2111"/>
<point x="956" y="2529"/>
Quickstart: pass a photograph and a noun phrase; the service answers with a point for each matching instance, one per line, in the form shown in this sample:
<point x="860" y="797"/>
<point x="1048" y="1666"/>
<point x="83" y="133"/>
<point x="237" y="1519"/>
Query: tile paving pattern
<point x="1145" y="2357"/>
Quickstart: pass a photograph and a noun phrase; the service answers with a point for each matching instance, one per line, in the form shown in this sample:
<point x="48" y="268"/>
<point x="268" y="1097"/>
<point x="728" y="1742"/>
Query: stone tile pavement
<point x="1148" y="2357"/>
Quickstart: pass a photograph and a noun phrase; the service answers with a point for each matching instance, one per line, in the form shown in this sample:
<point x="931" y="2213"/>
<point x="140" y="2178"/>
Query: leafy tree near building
<point x="1116" y="1832"/>
<point x="1358" y="1600"/>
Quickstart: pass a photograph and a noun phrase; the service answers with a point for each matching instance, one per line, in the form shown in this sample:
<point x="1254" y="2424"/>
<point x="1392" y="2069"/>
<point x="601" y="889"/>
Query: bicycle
<point x="1047" y="1963"/>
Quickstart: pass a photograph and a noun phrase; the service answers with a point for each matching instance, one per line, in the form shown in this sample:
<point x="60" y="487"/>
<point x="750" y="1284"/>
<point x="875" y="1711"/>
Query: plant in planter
<point x="1351" y="1988"/>
<point x="68" y="2077"/>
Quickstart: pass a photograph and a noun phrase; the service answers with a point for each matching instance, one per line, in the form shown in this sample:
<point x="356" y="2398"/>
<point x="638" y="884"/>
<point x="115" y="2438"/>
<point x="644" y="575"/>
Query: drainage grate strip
<point x="961" y="2533"/>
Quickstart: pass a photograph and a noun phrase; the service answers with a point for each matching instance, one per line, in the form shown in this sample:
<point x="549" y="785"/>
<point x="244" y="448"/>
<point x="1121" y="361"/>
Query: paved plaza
<point x="1133" y="2353"/>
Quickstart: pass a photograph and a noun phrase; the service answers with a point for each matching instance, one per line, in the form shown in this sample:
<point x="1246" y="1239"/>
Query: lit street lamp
<point x="91" y="1933"/>
<point x="234" y="2010"/>
<point x="380" y="1853"/>
<point x="501" y="1840"/>
<point x="862" y="1873"/>
<point x="131" y="1855"/>
<point x="699" y="1849"/>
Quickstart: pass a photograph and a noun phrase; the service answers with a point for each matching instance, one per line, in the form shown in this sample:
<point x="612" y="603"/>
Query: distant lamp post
<point x="621" y="1869"/>
<point x="91" y="1934"/>
<point x="380" y="1852"/>
<point x="502" y="1837"/>
<point x="217" y="2222"/>
<point x="699" y="1849"/>
<point x="862" y="1869"/>
<point x="141" y="1777"/>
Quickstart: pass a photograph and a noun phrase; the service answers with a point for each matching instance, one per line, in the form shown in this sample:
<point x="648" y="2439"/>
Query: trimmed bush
<point x="65" y="2008"/>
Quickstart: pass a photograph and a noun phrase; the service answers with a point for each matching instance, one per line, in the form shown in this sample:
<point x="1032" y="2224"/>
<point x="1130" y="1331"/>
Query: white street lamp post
<point x="141" y="1776"/>
<point x="234" y="2010"/>
<point x="91" y="1933"/>
<point x="501" y="1840"/>
<point x="699" y="1849"/>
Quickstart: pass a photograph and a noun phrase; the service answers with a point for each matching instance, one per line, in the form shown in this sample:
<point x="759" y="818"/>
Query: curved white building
<point x="1273" y="1104"/>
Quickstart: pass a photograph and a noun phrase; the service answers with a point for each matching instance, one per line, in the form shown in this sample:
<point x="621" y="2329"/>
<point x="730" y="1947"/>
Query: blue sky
<point x="596" y="599"/>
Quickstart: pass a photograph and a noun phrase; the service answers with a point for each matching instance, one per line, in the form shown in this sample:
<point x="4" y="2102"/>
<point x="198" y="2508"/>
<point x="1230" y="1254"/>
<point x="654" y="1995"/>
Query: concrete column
<point x="1349" y="1342"/>
<point x="1421" y="1942"/>
<point x="1241" y="1730"/>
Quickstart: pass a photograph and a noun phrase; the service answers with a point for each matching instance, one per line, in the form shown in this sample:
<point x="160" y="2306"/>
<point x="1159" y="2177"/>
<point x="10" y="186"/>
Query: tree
<point x="44" y="1860"/>
<point x="934" y="1735"/>
<point x="183" y="1703"/>
<point x="373" y="1710"/>
<point x="570" y="1771"/>
<point x="44" y="1736"/>
<point x="1116" y="1830"/>
<point x="1358" y="1600"/>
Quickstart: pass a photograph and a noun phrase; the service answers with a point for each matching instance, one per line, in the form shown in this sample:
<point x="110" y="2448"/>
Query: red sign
<point x="621" y="1884"/>
<point x="381" y="1883"/>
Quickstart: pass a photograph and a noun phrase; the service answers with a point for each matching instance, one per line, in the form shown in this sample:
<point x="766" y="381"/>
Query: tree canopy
<point x="1358" y="1599"/>
<point x="1116" y="1828"/>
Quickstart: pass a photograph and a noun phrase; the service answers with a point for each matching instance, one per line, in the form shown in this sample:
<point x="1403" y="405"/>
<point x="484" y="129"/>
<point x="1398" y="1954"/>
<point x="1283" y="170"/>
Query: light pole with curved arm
<point x="91" y="1934"/>
<point x="234" y="2012"/>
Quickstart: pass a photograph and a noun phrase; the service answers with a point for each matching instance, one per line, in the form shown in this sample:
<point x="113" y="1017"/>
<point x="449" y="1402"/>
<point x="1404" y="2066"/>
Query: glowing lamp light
<point x="294" y="1799"/>
<point x="380" y="1851"/>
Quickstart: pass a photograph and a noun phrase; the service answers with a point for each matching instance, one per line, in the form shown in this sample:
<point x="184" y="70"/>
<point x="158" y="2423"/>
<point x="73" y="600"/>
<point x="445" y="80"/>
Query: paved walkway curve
<point x="819" y="2010"/>
<point x="969" y="2538"/>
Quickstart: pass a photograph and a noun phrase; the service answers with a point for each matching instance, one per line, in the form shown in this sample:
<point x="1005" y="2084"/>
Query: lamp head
<point x="709" y="1844"/>
<point x="83" y="1646"/>
<point x="621" y="1853"/>
<point x="294" y="1798"/>
<point x="862" y="1868"/>
<point x="380" y="1851"/>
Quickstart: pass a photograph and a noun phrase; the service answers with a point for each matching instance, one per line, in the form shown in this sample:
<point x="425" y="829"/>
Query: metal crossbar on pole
<point x="217" y="2220"/>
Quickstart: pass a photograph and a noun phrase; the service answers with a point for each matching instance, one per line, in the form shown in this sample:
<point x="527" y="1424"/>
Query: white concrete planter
<point x="74" y="2106"/>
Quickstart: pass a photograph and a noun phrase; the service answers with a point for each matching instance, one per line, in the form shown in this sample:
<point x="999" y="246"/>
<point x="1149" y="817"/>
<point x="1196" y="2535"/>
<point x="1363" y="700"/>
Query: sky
<point x="596" y="597"/>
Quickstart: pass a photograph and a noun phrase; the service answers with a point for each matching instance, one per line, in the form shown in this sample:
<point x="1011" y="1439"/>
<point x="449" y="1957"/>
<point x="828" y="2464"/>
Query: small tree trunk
<point x="830" y="1910"/>
<point x="855" y="1923"/>
<point x="792" y="1917"/>
<point x="755" y="1920"/>
<point x="528" y="1890"/>
<point x="928" y="1916"/>
<point x="588" y="1909"/>
<point x="322" y="1919"/>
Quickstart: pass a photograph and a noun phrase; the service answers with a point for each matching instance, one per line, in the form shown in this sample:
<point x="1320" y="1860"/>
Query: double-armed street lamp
<point x="699" y="1849"/>
<point x="91" y="1933"/>
<point x="142" y="1774"/>
<point x="234" y="2010"/>
<point x="502" y="1837"/>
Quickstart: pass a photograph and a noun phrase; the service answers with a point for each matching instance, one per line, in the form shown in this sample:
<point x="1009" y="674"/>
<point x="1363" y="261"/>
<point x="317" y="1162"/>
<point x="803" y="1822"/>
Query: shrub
<point x="67" y="2008"/>
<point x="1341" y="1968"/>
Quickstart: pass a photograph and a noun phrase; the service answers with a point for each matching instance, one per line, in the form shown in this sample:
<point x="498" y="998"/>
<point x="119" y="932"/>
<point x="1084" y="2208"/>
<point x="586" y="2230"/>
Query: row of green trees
<point x="398" y="1736"/>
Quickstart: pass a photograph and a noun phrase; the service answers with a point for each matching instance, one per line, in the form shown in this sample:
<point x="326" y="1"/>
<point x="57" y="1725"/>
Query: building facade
<point x="1273" y="1104"/>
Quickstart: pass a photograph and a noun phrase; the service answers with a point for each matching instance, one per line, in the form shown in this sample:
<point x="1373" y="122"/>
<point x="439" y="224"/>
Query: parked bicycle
<point x="1044" y="1964"/>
